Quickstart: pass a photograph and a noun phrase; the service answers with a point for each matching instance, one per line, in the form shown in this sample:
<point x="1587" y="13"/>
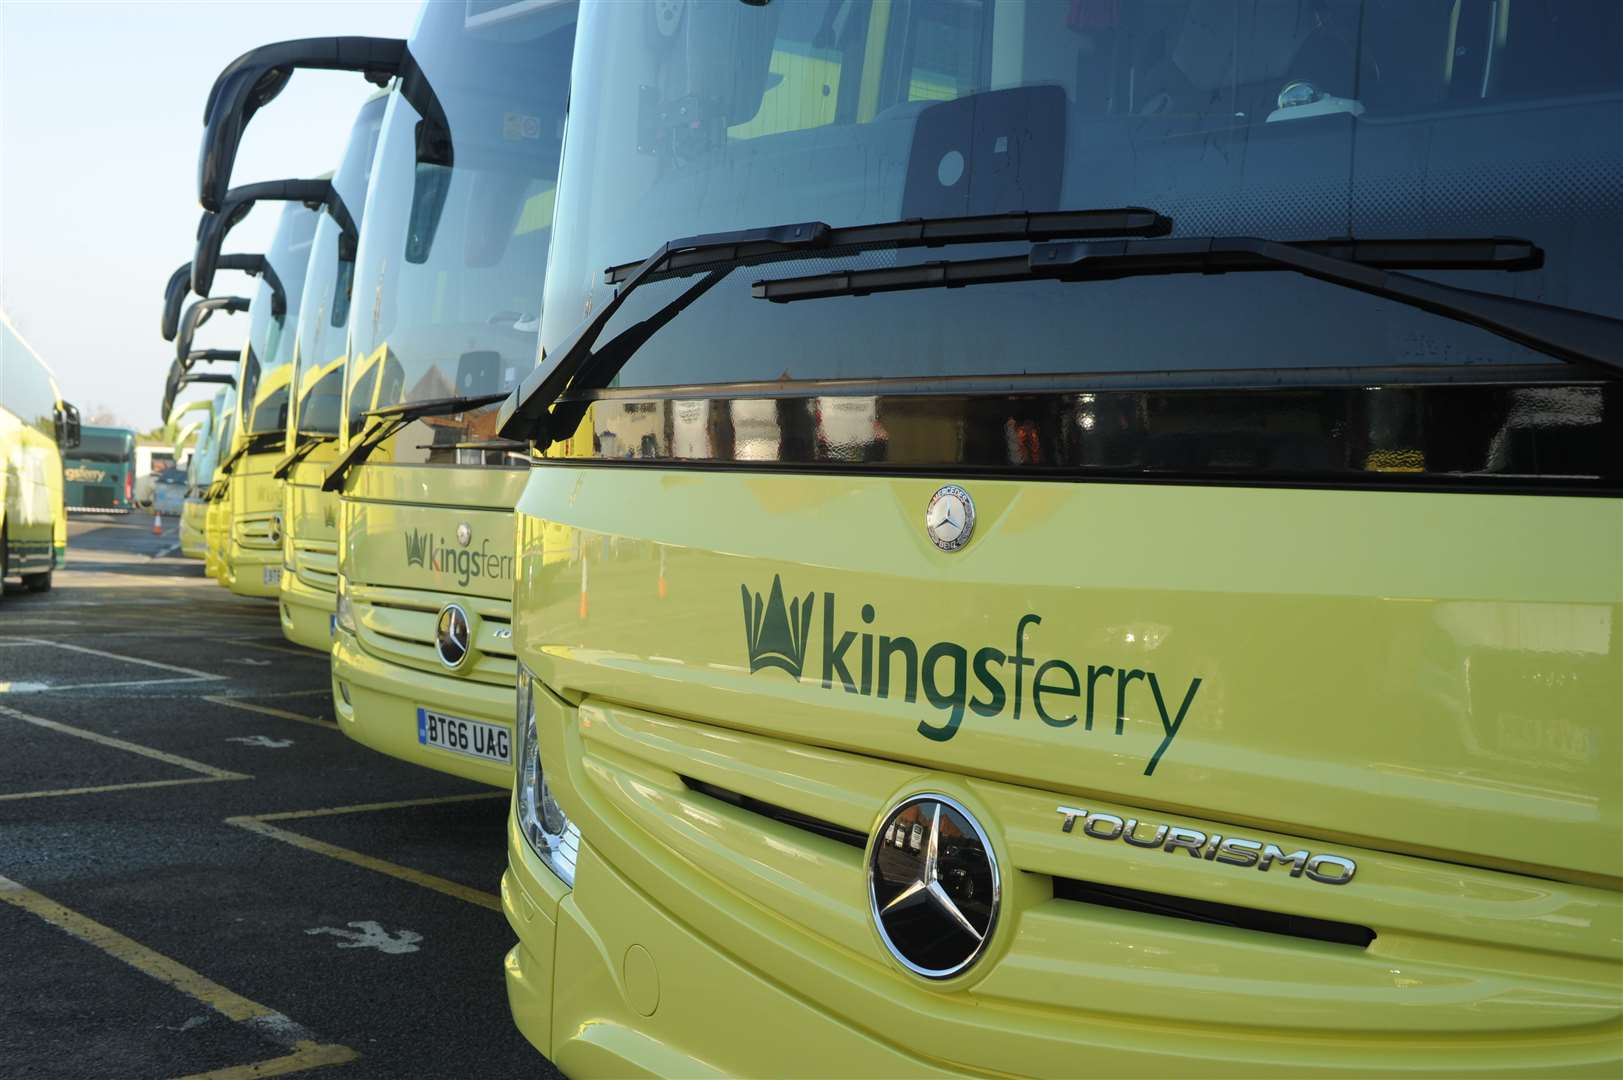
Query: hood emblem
<point x="933" y="886"/>
<point x="453" y="637"/>
<point x="950" y="518"/>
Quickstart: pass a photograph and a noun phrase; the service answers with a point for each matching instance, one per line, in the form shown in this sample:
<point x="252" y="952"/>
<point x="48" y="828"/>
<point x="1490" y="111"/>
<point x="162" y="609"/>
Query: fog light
<point x="547" y="829"/>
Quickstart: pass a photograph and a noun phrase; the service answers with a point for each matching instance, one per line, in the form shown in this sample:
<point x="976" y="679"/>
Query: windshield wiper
<point x="575" y="364"/>
<point x="263" y="440"/>
<point x="384" y="422"/>
<point x="1368" y="266"/>
<point x="307" y="442"/>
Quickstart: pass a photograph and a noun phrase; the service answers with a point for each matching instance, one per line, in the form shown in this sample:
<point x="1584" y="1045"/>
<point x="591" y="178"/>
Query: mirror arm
<point x="433" y="130"/>
<point x="255" y="78"/>
<point x="260" y="267"/>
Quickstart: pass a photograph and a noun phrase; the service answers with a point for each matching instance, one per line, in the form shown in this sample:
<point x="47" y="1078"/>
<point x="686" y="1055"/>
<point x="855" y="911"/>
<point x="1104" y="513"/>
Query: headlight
<point x="343" y="612"/>
<point x="545" y="826"/>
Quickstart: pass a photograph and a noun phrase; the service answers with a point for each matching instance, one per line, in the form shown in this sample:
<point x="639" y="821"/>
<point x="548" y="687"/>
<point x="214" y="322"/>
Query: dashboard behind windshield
<point x="1287" y="119"/>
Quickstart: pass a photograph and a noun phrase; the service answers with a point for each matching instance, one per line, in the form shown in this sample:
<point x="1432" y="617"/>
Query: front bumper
<point x="245" y="569"/>
<point x="605" y="982"/>
<point x="377" y="706"/>
<point x="307" y="613"/>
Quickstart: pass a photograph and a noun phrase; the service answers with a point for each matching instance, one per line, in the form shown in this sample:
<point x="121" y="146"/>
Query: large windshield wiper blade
<point x="1369" y="266"/>
<point x="306" y="443"/>
<point x="718" y="254"/>
<point x="384" y="422"/>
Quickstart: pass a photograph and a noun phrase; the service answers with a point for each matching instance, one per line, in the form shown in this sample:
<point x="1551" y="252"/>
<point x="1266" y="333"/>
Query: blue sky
<point x="101" y="113"/>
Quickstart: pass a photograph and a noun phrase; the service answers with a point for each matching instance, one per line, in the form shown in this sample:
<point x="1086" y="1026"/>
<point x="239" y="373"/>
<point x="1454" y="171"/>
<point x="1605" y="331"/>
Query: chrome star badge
<point x="453" y="636"/>
<point x="950" y="518"/>
<point x="933" y="886"/>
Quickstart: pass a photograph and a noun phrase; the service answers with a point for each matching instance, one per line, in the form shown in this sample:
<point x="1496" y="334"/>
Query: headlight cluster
<point x="549" y="832"/>
<point x="343" y="612"/>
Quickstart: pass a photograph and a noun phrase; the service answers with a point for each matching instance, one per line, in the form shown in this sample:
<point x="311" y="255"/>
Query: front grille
<point x="1210" y="912"/>
<point x="258" y="531"/>
<point x="1087" y="892"/>
<point x="397" y="625"/>
<point x="317" y="565"/>
<point x="780" y="814"/>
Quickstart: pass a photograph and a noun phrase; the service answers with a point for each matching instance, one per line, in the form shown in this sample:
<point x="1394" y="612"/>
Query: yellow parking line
<point x="268" y="710"/>
<point x="361" y="808"/>
<point x="264" y="1020"/>
<point x="55" y="792"/>
<point x="306" y="1055"/>
<point x="120" y="744"/>
<point x="370" y="862"/>
<point x="310" y="654"/>
<point x="260" y="823"/>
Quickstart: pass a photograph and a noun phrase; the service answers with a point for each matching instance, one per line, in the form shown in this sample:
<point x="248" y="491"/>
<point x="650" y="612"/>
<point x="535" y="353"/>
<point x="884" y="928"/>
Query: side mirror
<point x="180" y="283"/>
<point x="198" y="314"/>
<point x="179" y="379"/>
<point x="255" y="78"/>
<point x="67" y="426"/>
<point x="212" y="227"/>
<point x="210" y="356"/>
<point x="174" y="294"/>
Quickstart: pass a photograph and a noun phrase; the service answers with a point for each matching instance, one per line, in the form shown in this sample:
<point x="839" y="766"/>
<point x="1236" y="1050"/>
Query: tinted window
<point x="448" y="283"/>
<point x="26" y="390"/>
<point x="1286" y="119"/>
<point x="319" y="376"/>
<point x="265" y="369"/>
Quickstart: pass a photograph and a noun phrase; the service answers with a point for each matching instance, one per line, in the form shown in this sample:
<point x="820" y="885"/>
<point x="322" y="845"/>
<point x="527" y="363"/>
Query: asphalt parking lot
<point x="200" y="873"/>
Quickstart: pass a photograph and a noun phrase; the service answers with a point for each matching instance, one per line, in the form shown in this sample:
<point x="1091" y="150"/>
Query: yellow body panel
<point x="31" y="506"/>
<point x="403" y="560"/>
<point x="193" y="523"/>
<point x="216" y="522"/>
<point x="309" y="551"/>
<point x="1432" y="704"/>
<point x="253" y="553"/>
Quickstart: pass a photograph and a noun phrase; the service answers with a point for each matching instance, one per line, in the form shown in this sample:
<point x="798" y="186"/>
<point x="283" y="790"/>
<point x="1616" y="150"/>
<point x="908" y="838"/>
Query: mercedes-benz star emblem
<point x="451" y="636"/>
<point x="950" y="518"/>
<point x="933" y="886"/>
<point x="464" y="534"/>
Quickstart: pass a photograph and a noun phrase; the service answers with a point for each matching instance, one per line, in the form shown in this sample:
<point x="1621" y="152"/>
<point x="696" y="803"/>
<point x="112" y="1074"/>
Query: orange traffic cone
<point x="157" y="524"/>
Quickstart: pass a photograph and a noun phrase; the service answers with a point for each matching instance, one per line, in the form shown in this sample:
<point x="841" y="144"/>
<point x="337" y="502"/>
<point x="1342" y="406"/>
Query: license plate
<point x="472" y="738"/>
<point x="273" y="575"/>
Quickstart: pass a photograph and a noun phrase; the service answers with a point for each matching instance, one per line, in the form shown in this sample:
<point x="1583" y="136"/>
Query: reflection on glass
<point x="267" y="365"/>
<point x="449" y="275"/>
<point x="318" y="376"/>
<point x="1232" y="118"/>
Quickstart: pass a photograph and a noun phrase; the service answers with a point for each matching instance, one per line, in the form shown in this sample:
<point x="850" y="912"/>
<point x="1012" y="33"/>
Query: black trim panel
<point x="1535" y="436"/>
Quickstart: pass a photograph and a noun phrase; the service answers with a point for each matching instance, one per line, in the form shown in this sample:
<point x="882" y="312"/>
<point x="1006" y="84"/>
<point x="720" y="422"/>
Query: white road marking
<point x="263" y="741"/>
<point x="183" y="674"/>
<point x="370" y="935"/>
<point x="249" y="661"/>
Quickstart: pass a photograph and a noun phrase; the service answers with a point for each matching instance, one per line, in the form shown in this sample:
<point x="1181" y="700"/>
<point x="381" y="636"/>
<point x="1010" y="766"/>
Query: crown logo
<point x="417" y="547"/>
<point x="776" y="634"/>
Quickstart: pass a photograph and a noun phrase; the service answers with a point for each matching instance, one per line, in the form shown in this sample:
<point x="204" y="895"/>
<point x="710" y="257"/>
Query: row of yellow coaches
<point x="1128" y="581"/>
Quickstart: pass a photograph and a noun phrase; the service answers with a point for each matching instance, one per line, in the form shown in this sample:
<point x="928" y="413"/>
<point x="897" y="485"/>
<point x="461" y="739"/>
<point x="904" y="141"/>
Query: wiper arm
<point x="1369" y="266"/>
<point x="302" y="450"/>
<point x="528" y="411"/>
<point x="225" y="466"/>
<point x="384" y="422"/>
